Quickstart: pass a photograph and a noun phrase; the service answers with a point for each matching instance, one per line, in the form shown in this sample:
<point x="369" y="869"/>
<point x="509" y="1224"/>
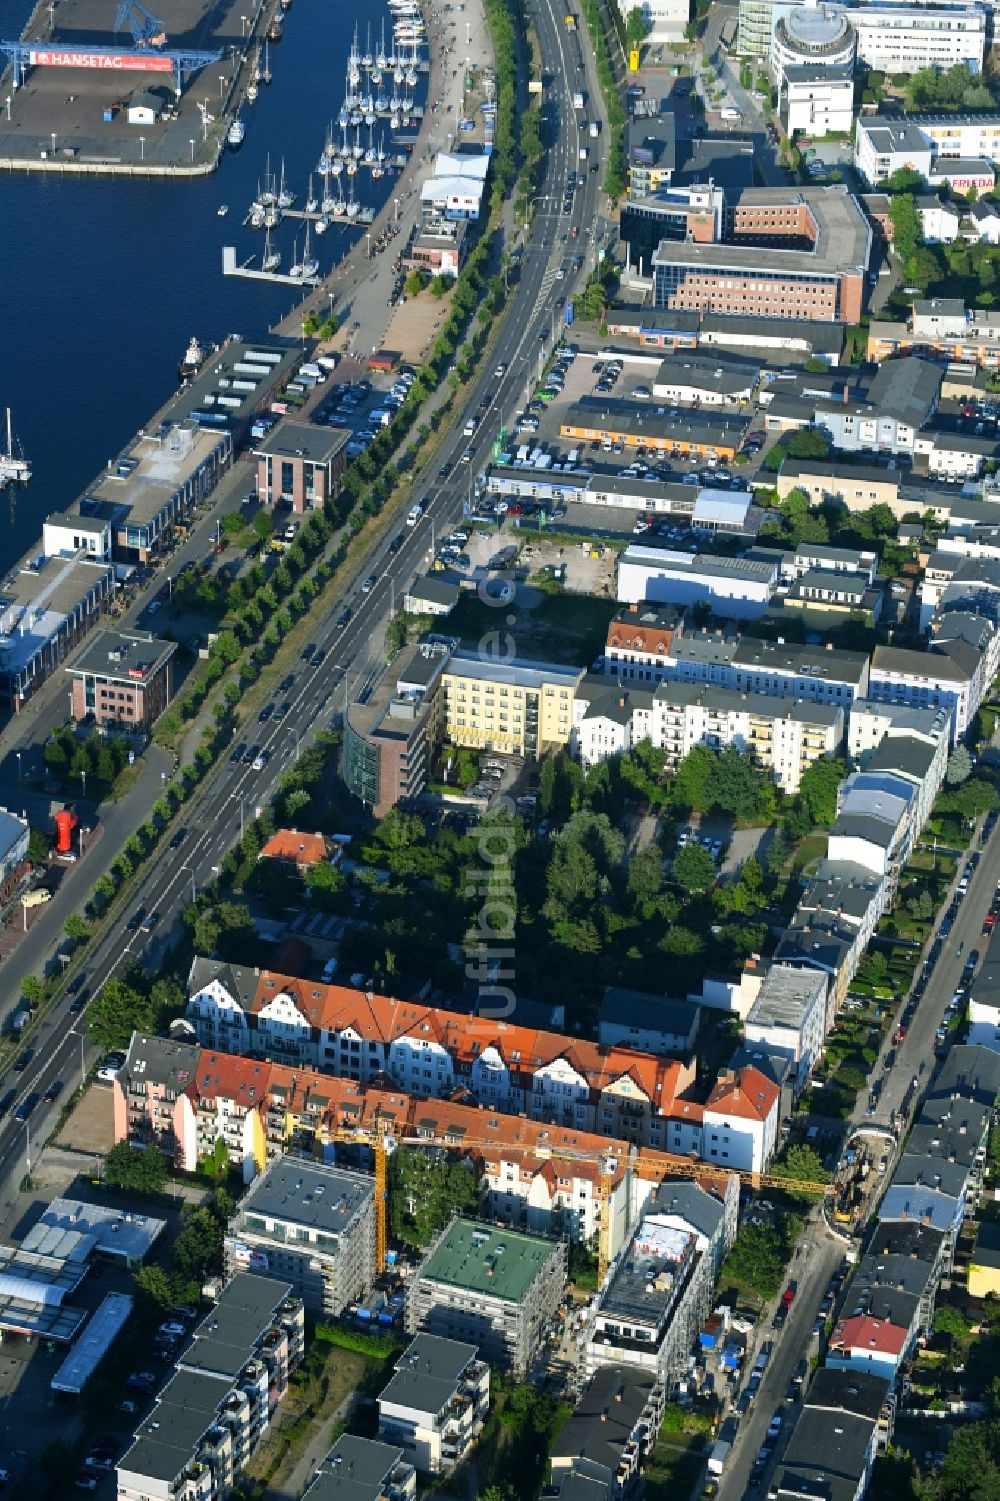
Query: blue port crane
<point x="147" y="30"/>
<point x="148" y="35"/>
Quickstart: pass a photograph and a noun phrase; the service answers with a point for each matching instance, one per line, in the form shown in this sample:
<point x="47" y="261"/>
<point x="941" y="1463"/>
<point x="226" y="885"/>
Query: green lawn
<point x="674" y="1467"/>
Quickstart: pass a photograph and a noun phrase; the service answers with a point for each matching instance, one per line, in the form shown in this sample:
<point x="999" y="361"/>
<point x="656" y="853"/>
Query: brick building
<point x="124" y="681"/>
<point x="302" y="463"/>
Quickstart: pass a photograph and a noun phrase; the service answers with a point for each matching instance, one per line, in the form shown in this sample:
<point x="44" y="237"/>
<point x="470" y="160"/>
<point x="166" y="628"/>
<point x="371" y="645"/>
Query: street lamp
<point x="243" y="21"/>
<point x="222" y="86"/>
<point x="53" y="143"/>
<point x="191" y="144"/>
<point x="18" y="754"/>
<point x="142" y="148"/>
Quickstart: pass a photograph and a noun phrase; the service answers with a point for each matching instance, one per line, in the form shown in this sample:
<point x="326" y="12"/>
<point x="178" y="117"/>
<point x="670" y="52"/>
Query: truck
<point x="593" y="130"/>
<point x="578" y="100"/>
<point x="584" y="153"/>
<point x="719" y="1455"/>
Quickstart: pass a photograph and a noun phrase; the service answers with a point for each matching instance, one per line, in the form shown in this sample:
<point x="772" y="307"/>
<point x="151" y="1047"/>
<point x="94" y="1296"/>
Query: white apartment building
<point x="436" y="1404"/>
<point x="872" y="720"/>
<point x="928" y="680"/>
<point x="740" y="1121"/>
<point x="785" y="736"/>
<point x="817" y="100"/>
<point x="789" y="1017"/>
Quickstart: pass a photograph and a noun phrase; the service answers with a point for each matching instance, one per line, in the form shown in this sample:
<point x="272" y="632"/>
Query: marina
<point x="295" y="277"/>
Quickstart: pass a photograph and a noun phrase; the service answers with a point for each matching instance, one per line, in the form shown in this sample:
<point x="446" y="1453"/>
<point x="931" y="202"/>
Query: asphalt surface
<point x="232" y="792"/>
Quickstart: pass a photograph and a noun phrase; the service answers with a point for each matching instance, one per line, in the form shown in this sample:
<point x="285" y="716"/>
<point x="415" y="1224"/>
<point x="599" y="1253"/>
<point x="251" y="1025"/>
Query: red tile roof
<point x="747" y="1094"/>
<point x="865" y="1333"/>
<point x="289" y="844"/>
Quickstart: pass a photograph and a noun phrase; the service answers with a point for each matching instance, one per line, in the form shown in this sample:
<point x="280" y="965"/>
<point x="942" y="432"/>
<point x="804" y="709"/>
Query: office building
<point x="311" y="1226"/>
<point x="435" y="1406"/>
<point x="493" y="1289"/>
<point x="886" y="143"/>
<point x="301" y="463"/>
<point x="390" y="735"/>
<point x="784" y="253"/>
<point x="810" y="36"/>
<point x="817" y="99"/>
<point x="122" y="682"/>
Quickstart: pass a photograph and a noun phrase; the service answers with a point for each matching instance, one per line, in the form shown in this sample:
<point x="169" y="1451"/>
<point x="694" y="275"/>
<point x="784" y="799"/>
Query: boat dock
<point x="230" y="268"/>
<point x="363" y="216"/>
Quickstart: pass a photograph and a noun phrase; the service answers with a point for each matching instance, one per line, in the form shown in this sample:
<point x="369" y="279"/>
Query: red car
<point x="899" y="1035"/>
<point x="989" y="922"/>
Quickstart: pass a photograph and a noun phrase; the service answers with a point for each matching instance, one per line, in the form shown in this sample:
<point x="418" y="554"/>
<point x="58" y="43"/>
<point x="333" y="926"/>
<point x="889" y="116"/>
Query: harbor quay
<point x="86" y="106"/>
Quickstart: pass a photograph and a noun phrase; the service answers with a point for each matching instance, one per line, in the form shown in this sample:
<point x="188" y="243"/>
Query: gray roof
<point x="737" y="700"/>
<point x="643" y="1008"/>
<point x="517" y="670"/>
<point x="848" y="1391"/>
<point x="842" y="243"/>
<point x="160" y="1060"/>
<point x="972" y="1073"/>
<point x="817" y="73"/>
<point x="168" y="1438"/>
<point x="611" y="414"/>
<point x="304" y="440"/>
<point x="786" y="997"/>
<point x="356" y="1469"/>
<point x="655" y="137"/>
<point x="689" y="1201"/>
<point x="903" y="754"/>
<point x="889" y="135"/>
<point x="436" y="588"/>
<point x="607" y="699"/>
<point x="122" y="657"/>
<point x="826" y="1456"/>
<point x="902" y="659"/>
<point x="725" y="378"/>
<point x="828" y="337"/>
<point x="666" y="560"/>
<point x="428" y="1373"/>
<point x="926" y="1205"/>
<point x="296" y="1192"/>
<point x="867" y="827"/>
<point x="227" y="1338"/>
<point x="813" y="661"/>
<point x="773" y="1065"/>
<point x="884" y="1301"/>
<point x="601" y="1424"/>
<point x="13" y="831"/>
<point x="906" y="1238"/>
<point x="239" y="979"/>
<point x="920" y="1169"/>
<point x="906" y="389"/>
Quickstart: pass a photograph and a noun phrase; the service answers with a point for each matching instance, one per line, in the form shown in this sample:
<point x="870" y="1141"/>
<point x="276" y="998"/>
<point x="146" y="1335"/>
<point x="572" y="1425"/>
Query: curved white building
<point x="811" y="35"/>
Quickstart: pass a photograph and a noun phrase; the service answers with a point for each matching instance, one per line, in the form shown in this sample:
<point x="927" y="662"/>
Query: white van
<point x="414" y="514"/>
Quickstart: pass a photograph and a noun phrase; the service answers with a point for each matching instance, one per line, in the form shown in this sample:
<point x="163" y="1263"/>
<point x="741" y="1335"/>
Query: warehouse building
<point x="312" y="1226"/>
<point x="495" y="1289"/>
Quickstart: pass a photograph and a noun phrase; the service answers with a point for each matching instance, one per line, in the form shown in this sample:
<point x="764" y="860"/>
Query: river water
<point x="104" y="282"/>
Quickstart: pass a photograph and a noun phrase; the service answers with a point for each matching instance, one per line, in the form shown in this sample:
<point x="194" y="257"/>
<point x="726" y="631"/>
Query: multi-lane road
<point x="234" y="790"/>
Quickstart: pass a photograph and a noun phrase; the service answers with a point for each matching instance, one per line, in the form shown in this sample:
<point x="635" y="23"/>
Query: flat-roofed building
<point x="735" y="588"/>
<point x="47" y="606"/>
<point x="789" y="1017"/>
<point x="362" y="1469"/>
<point x="784" y="253"/>
<point x="436" y="1404"/>
<point x="494" y="1289"/>
<point x="122" y="682"/>
<point x="217" y="1406"/>
<point x="606" y="419"/>
<point x="930" y="679"/>
<point x="391" y="733"/>
<point x="155" y="483"/>
<point x="817" y="99"/>
<point x="301" y="462"/>
<point x="519" y="707"/>
<point x="311" y="1226"/>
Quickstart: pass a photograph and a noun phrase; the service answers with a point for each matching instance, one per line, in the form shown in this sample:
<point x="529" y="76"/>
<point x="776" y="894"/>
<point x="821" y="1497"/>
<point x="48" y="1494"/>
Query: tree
<point x="275" y="883"/>
<point x="76" y="928"/>
<point x="756" y="1261"/>
<point x="959" y="766"/>
<point x="198" y="1248"/>
<point x="645" y="875"/>
<point x="115" y="1013"/>
<point x="39" y="846"/>
<point x="971" y="1468"/>
<point x="136" y="1171"/>
<point x="694" y="868"/>
<point x="906" y="226"/>
<point x="262" y="526"/>
<point x="692" y="783"/>
<point x="425" y="1193"/>
<point x="326" y="886"/>
<point x="802" y="1162"/>
<point x="636" y="29"/>
<point x="905" y="180"/>
<point x="415" y="283"/>
<point x="818" y="790"/>
<point x="951" y="1322"/>
<point x="32" y="990"/>
<point x="809" y="443"/>
<point x="156" y="1284"/>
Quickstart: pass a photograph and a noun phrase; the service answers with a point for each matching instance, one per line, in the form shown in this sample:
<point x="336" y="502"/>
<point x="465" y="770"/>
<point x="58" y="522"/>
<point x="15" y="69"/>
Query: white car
<point x="108" y="1073"/>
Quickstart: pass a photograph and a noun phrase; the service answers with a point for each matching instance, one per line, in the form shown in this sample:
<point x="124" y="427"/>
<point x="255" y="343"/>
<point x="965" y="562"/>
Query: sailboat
<point x="14" y="466"/>
<point x="326" y="206"/>
<point x="367" y="60"/>
<point x="285" y="195"/>
<point x="272" y="258"/>
<point x="354" y="63"/>
<point x="312" y="203"/>
<point x="308" y="266"/>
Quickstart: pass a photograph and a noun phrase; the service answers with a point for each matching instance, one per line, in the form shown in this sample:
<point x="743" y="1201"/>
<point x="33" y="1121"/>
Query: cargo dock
<point x="110" y="107"/>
